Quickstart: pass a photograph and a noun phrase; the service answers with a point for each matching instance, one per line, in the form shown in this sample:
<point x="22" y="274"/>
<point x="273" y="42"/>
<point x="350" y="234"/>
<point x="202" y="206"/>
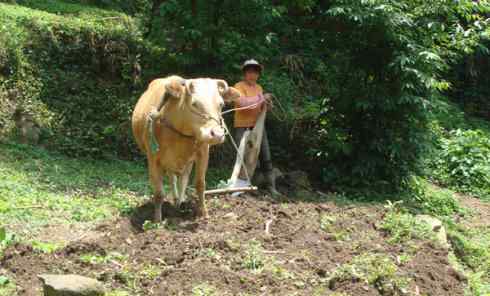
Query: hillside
<point x="382" y="106"/>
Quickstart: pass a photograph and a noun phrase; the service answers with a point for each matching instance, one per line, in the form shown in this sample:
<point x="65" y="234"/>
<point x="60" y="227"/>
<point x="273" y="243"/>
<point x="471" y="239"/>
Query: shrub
<point x="463" y="162"/>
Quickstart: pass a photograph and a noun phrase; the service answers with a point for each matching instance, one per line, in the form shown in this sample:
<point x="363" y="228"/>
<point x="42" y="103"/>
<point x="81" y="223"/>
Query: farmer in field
<point x="252" y="95"/>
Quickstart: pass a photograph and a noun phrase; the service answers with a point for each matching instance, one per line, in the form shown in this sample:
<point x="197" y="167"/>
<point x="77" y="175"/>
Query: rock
<point x="436" y="226"/>
<point x="70" y="285"/>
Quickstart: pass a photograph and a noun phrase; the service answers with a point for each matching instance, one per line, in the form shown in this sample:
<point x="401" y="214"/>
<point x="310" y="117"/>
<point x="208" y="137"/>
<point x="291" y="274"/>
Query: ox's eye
<point x="221" y="105"/>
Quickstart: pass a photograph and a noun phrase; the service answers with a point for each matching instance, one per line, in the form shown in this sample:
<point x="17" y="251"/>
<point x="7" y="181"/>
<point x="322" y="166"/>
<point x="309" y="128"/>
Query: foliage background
<point x="363" y="85"/>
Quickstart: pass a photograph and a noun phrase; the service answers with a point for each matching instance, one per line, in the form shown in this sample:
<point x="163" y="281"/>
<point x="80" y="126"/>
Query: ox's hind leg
<point x="201" y="168"/>
<point x="156" y="180"/>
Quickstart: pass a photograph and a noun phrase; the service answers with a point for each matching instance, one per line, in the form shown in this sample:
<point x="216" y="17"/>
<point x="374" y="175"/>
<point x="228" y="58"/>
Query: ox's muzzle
<point x="213" y="133"/>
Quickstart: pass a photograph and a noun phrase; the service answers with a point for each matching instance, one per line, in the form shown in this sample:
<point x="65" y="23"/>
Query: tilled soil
<point x="232" y="254"/>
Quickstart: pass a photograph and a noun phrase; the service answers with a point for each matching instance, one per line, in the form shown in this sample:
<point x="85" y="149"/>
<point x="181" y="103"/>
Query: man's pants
<point x="265" y="152"/>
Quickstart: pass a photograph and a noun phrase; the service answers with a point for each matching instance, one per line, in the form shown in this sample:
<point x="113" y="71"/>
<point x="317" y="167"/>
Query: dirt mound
<point x="249" y="245"/>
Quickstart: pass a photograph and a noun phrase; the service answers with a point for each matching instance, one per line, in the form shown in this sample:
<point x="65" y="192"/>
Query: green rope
<point x="154" y="147"/>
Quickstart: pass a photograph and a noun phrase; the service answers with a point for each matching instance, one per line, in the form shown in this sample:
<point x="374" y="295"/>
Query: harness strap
<point x="171" y="127"/>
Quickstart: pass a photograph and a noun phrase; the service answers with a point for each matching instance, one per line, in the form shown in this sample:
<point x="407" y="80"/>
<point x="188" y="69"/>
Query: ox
<point x="186" y="116"/>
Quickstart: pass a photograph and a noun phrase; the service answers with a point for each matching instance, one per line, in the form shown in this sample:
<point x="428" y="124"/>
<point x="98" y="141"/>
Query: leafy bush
<point x="75" y="72"/>
<point x="463" y="162"/>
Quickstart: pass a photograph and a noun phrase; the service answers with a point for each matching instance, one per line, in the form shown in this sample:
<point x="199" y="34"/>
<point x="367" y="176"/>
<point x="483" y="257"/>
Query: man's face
<point x="251" y="75"/>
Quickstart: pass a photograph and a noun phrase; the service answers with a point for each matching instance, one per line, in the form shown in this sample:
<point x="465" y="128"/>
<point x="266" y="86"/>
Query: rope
<point x="243" y="108"/>
<point x="283" y="110"/>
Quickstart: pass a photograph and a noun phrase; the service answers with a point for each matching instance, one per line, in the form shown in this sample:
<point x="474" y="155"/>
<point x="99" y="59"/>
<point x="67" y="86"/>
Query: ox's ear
<point x="189" y="86"/>
<point x="231" y="95"/>
<point x="222" y="86"/>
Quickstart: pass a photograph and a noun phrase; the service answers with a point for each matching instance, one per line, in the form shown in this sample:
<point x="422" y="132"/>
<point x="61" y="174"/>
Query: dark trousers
<point x="265" y="152"/>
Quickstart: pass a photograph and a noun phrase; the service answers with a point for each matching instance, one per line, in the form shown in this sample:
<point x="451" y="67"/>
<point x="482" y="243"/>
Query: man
<point x="252" y="95"/>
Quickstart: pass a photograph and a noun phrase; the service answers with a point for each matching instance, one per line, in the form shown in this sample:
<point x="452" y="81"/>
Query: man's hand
<point x="268" y="100"/>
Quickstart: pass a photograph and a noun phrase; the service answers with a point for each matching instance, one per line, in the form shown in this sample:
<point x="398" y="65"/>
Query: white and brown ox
<point x="187" y="123"/>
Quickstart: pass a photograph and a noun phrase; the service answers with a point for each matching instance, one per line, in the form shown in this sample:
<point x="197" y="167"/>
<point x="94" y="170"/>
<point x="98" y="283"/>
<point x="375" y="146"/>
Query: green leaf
<point x="3" y="234"/>
<point x="4" y="280"/>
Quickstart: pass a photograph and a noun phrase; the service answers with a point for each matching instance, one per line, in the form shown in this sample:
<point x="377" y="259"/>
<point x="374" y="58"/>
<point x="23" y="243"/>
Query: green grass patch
<point x="7" y="286"/>
<point x="378" y="270"/>
<point x="402" y="226"/>
<point x="329" y="224"/>
<point x="204" y="290"/>
<point x="39" y="188"/>
<point x="472" y="255"/>
<point x="70" y="15"/>
<point x="254" y="259"/>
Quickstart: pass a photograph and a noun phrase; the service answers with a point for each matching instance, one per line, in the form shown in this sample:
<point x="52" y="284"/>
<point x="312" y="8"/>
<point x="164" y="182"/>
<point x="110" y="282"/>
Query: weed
<point x="7" y="287"/>
<point x="402" y="227"/>
<point x="150" y="225"/>
<point x="118" y="293"/>
<point x="254" y="256"/>
<point x="150" y="272"/>
<point x="128" y="278"/>
<point x="378" y="270"/>
<point x="433" y="200"/>
<point x="478" y="284"/>
<point x="282" y="273"/>
<point x="6" y="238"/>
<point x="204" y="290"/>
<point x="403" y="259"/>
<point x="328" y="224"/>
<point x="103" y="259"/>
<point x="45" y="247"/>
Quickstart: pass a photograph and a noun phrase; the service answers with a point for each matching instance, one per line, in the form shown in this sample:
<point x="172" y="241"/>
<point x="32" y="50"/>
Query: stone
<point x="436" y="226"/>
<point x="71" y="285"/>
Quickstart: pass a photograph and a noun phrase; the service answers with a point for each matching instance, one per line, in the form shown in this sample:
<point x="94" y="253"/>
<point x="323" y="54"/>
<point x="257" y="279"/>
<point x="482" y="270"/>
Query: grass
<point x="402" y="226"/>
<point x="204" y="290"/>
<point x="255" y="258"/>
<point x="7" y="287"/>
<point x="39" y="188"/>
<point x="378" y="270"/>
<point x="472" y="249"/>
<point x="70" y="15"/>
<point x="328" y="224"/>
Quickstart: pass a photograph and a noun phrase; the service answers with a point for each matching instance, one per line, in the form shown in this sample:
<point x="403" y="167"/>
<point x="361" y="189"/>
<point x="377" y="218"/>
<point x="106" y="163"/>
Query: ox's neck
<point x="178" y="116"/>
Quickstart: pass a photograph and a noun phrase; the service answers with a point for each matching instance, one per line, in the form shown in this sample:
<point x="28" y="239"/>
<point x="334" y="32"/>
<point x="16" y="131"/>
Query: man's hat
<point x="252" y="64"/>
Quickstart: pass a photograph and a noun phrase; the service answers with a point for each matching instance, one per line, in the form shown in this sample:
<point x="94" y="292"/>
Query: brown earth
<point x="479" y="211"/>
<point x="296" y="256"/>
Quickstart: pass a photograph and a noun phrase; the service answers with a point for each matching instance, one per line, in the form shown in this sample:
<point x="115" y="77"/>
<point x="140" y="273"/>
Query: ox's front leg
<point x="201" y="168"/>
<point x="182" y="184"/>
<point x="156" y="180"/>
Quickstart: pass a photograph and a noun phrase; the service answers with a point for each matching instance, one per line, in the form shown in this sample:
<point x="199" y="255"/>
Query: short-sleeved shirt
<point x="248" y="117"/>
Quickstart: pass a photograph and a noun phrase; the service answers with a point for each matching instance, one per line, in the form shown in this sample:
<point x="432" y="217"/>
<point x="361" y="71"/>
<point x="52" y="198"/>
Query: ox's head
<point x="202" y="102"/>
